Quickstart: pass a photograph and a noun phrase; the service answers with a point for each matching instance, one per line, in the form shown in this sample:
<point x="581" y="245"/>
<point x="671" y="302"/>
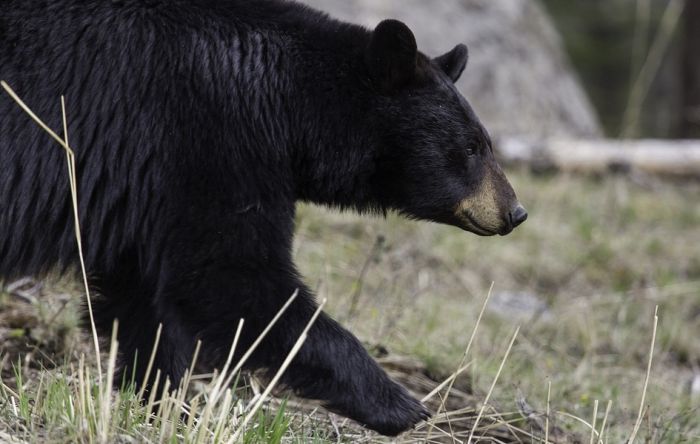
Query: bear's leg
<point x="124" y="298"/>
<point x="224" y="265"/>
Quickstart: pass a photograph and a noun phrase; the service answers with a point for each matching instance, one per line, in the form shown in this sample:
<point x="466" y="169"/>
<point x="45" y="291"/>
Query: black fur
<point x="197" y="125"/>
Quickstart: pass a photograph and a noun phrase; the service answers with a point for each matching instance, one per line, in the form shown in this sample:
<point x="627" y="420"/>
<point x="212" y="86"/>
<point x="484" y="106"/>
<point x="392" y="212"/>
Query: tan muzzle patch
<point x="481" y="212"/>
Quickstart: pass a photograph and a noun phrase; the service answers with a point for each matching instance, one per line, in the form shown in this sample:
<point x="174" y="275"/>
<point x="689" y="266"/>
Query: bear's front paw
<point x="394" y="412"/>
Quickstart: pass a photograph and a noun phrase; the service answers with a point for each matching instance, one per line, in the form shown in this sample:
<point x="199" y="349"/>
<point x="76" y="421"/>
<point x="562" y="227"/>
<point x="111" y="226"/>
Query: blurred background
<point x="552" y="68"/>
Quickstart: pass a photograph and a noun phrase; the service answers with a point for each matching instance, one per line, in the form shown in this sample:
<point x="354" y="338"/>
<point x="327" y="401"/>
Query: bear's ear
<point x="392" y="55"/>
<point x="453" y="62"/>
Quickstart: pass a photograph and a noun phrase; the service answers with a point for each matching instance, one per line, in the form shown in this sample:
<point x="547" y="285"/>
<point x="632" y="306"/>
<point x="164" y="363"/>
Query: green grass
<point x="581" y="277"/>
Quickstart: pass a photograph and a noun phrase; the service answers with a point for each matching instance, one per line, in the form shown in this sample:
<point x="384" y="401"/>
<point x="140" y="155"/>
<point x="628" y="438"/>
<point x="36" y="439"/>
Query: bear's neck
<point x="332" y="147"/>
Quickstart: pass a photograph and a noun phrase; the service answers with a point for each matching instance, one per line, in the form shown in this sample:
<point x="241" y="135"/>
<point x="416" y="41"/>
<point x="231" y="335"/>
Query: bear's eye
<point x="471" y="150"/>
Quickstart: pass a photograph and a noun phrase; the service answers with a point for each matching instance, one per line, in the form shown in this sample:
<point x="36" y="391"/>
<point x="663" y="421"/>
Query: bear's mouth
<point x="470" y="224"/>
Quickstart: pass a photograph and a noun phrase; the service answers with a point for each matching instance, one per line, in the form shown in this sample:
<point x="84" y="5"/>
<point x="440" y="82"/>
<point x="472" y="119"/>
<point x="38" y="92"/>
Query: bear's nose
<point x="517" y="215"/>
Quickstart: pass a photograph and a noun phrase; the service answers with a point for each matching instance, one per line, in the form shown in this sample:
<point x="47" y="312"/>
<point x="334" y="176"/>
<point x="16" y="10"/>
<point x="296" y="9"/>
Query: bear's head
<point x="435" y="160"/>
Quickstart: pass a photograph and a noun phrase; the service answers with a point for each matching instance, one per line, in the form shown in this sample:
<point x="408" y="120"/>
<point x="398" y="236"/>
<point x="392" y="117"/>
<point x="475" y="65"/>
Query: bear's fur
<point x="197" y="125"/>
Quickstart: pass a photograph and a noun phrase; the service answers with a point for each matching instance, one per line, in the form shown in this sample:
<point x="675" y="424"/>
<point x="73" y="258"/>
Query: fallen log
<point x="679" y="158"/>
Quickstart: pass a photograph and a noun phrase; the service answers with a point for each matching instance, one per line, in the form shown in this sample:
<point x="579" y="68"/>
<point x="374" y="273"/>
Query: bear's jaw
<point x="466" y="222"/>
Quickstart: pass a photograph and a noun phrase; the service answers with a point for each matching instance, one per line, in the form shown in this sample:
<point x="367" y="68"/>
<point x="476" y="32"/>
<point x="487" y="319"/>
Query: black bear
<point x="197" y="126"/>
